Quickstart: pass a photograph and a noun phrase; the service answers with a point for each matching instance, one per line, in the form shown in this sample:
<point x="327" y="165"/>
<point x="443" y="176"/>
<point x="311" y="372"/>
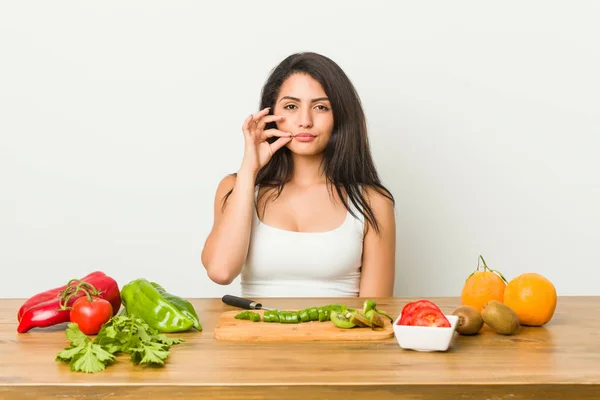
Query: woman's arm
<point x="379" y="249"/>
<point x="227" y="244"/>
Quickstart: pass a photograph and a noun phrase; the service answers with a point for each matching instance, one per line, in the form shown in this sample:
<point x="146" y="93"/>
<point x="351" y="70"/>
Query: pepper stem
<point x="72" y="290"/>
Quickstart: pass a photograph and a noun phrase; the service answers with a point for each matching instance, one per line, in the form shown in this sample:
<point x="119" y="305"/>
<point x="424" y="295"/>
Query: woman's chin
<point x="305" y="150"/>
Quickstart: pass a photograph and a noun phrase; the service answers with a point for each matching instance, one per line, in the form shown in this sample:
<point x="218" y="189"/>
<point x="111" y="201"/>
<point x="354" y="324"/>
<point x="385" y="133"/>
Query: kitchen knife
<point x="243" y="303"/>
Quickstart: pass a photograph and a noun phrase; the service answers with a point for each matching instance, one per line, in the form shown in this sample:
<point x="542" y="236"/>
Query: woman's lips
<point x="304" y="137"/>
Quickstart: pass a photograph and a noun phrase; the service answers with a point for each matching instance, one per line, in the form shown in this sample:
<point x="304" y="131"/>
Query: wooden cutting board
<point x="229" y="328"/>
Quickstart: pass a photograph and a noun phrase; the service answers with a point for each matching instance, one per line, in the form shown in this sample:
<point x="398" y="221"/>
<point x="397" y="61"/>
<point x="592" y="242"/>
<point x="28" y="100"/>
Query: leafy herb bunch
<point x="121" y="334"/>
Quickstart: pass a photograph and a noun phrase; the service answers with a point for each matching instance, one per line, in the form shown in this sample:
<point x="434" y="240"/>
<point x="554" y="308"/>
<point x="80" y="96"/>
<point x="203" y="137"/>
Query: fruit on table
<point x="90" y="313"/>
<point x="482" y="286"/>
<point x="54" y="306"/>
<point x="409" y="309"/>
<point x="163" y="311"/>
<point x="501" y="318"/>
<point x="470" y="320"/>
<point x="369" y="305"/>
<point x="423" y="313"/>
<point x="532" y="297"/>
<point x="342" y="319"/>
<point x="375" y="319"/>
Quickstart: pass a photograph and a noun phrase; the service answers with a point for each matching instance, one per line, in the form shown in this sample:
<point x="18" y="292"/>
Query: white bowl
<point x="425" y="338"/>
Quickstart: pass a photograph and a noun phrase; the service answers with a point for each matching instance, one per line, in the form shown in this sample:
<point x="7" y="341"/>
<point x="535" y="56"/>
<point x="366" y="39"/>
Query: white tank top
<point x="282" y="263"/>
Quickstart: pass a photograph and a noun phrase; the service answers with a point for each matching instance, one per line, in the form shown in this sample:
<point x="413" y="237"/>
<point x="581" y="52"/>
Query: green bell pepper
<point x="163" y="311"/>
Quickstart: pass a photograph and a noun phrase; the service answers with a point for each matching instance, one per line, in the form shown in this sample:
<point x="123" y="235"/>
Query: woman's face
<point x="306" y="112"/>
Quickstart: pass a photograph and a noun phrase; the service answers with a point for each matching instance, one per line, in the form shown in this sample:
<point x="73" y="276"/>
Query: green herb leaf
<point x="87" y="361"/>
<point x="149" y="353"/>
<point x="167" y="340"/>
<point x="75" y="335"/>
<point x="102" y="355"/>
<point x="121" y="334"/>
<point x="70" y="352"/>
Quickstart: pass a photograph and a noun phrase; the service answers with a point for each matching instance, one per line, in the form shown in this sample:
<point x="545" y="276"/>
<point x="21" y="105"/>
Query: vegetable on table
<point x="90" y="313"/>
<point x="423" y="313"/>
<point x="121" y="334"/>
<point x="54" y="306"/>
<point x="341" y="315"/>
<point x="162" y="311"/>
<point x="250" y="315"/>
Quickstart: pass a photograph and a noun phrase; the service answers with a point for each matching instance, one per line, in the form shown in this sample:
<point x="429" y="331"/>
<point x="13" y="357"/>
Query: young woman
<point x="306" y="214"/>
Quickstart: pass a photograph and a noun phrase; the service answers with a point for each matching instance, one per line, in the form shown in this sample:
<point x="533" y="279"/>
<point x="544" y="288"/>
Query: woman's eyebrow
<point x="298" y="100"/>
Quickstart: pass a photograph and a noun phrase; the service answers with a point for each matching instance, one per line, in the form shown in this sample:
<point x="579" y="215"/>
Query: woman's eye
<point x="290" y="107"/>
<point x="321" y="107"/>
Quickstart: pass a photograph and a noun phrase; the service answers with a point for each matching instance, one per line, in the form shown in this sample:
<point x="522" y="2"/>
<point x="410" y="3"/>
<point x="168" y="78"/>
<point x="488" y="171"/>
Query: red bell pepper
<point x="53" y="306"/>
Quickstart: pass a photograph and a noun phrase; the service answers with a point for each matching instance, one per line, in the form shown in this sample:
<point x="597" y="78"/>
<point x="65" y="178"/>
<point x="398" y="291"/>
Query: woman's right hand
<point x="258" y="151"/>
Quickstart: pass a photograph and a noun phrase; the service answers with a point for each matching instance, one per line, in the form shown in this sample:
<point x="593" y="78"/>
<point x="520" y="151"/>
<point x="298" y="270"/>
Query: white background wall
<point x="119" y="118"/>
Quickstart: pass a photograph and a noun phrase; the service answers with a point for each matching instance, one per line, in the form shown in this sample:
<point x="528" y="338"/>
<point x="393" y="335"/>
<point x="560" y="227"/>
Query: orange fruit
<point x="483" y="286"/>
<point x="533" y="297"/>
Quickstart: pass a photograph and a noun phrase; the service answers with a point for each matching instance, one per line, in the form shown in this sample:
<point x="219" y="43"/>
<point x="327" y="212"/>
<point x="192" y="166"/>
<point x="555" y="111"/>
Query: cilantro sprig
<point x="121" y="334"/>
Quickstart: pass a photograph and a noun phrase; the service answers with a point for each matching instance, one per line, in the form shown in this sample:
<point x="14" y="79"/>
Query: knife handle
<point x="241" y="302"/>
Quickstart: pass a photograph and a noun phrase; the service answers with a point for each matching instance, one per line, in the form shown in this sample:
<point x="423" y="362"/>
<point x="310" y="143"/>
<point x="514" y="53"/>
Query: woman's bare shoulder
<point x="378" y="198"/>
<point x="227" y="182"/>
<point x="225" y="186"/>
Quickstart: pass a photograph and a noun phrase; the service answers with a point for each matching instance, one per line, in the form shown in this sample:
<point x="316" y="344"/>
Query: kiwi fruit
<point x="374" y="317"/>
<point x="360" y="320"/>
<point x="342" y="319"/>
<point x="500" y="317"/>
<point x="470" y="320"/>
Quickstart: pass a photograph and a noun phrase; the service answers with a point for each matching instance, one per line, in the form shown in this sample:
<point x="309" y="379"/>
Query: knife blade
<point x="241" y="302"/>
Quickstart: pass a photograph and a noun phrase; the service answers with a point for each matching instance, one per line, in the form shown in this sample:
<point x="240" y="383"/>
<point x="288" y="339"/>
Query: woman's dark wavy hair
<point x="347" y="162"/>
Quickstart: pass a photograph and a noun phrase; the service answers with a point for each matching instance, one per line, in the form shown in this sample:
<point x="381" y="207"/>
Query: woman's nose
<point x="305" y="119"/>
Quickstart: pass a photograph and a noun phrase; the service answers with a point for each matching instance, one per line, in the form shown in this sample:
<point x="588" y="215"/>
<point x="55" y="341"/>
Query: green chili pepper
<point x="250" y="315"/>
<point x="289" y="317"/>
<point x="293" y="318"/>
<point x="321" y="314"/>
<point x="304" y="315"/>
<point x="162" y="311"/>
<point x="241" y="315"/>
<point x="369" y="305"/>
<point x="337" y="308"/>
<point x="267" y="316"/>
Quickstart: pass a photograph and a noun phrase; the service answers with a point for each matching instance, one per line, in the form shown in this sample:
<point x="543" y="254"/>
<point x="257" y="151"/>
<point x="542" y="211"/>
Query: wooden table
<point x="558" y="361"/>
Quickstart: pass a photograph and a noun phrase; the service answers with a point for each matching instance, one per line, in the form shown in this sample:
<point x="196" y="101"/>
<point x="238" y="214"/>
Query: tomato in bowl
<point x="422" y="326"/>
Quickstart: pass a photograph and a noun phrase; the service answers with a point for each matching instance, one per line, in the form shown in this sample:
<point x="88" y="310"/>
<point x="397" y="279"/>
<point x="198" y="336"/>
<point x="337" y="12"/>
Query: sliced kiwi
<point x="342" y="319"/>
<point x="470" y="320"/>
<point x="375" y="318"/>
<point x="360" y="320"/>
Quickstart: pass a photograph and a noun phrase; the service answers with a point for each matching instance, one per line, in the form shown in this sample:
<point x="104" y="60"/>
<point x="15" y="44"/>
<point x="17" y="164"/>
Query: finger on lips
<point x="277" y="132"/>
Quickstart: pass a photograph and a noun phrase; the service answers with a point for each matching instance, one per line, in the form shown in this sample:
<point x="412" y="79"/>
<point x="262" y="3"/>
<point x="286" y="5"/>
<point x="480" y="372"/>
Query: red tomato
<point x="429" y="316"/>
<point x="90" y="316"/>
<point x="409" y="310"/>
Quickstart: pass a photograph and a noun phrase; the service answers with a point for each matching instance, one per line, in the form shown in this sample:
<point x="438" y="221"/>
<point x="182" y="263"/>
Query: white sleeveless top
<point x="282" y="263"/>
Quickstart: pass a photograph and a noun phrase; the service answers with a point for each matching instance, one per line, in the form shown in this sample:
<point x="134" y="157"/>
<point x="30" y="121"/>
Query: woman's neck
<point x="307" y="170"/>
